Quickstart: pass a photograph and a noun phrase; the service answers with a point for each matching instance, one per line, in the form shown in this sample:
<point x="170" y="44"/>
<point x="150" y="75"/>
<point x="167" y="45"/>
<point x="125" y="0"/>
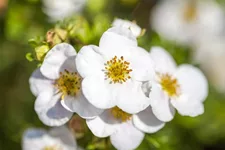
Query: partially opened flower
<point x="184" y="21"/>
<point x="57" y="86"/>
<point x="114" y="71"/>
<point x="59" y="10"/>
<point x="119" y="125"/>
<point x="184" y="87"/>
<point x="135" y="29"/>
<point x="58" y="138"/>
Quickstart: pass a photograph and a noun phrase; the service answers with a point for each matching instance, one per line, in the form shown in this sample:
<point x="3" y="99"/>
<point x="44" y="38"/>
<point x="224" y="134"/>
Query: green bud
<point x="56" y="36"/>
<point x="34" y="42"/>
<point x="41" y="52"/>
<point x="61" y="33"/>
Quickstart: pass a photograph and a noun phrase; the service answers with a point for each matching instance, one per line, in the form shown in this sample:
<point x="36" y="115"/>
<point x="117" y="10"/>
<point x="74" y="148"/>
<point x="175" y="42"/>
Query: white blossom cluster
<point x="120" y="89"/>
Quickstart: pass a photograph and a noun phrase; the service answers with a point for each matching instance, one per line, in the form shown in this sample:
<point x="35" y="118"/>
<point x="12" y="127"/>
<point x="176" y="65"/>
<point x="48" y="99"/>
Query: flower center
<point x="53" y="147"/>
<point x="190" y="11"/>
<point x="117" y="70"/>
<point x="68" y="83"/>
<point x="169" y="84"/>
<point x="120" y="115"/>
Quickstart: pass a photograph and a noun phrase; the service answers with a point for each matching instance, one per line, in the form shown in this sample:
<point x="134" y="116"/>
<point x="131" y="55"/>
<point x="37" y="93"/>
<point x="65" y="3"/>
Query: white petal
<point x="114" y="41"/>
<point x="192" y="82"/>
<point x="98" y="92"/>
<point x="147" y="122"/>
<point x="33" y="139"/>
<point x="39" y="83"/>
<point x="50" y="111"/>
<point x="187" y="108"/>
<point x="146" y="88"/>
<point x="163" y="60"/>
<point x="104" y="125"/>
<point x="135" y="29"/>
<point x="143" y="67"/>
<point x="160" y="103"/>
<point x="89" y="61"/>
<point x="69" y="64"/>
<point x="131" y="98"/>
<point x="67" y="140"/>
<point x="55" y="58"/>
<point x="81" y="106"/>
<point x="123" y="33"/>
<point x="127" y="137"/>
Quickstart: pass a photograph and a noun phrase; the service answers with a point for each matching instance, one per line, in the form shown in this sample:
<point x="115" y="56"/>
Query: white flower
<point x="185" y="21"/>
<point x="119" y="125"/>
<point x="58" y="138"/>
<point x="57" y="86"/>
<point x="210" y="55"/>
<point x="183" y="87"/>
<point x="135" y="29"/>
<point x="113" y="71"/>
<point x="60" y="9"/>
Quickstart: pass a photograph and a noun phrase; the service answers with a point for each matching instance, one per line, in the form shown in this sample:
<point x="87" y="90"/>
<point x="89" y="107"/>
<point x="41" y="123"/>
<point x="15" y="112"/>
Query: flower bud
<point x="41" y="52"/>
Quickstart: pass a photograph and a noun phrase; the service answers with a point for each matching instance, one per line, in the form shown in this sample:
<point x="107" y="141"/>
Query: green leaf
<point x="33" y="43"/>
<point x="29" y="57"/>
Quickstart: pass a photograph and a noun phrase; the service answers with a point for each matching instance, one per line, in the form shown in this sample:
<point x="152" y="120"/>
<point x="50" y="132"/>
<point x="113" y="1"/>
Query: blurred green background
<point x="21" y="20"/>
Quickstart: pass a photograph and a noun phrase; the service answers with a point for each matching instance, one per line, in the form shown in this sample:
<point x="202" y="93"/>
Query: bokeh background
<point x="21" y="20"/>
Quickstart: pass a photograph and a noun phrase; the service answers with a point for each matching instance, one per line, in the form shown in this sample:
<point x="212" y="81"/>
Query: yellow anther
<point x="117" y="70"/>
<point x="169" y="84"/>
<point x="69" y="83"/>
<point x="120" y="115"/>
<point x="190" y="11"/>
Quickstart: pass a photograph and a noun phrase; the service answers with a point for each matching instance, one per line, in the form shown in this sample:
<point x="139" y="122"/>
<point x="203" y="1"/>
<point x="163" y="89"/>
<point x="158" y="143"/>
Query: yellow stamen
<point x="190" y="11"/>
<point x="120" y="115"/>
<point x="169" y="84"/>
<point x="117" y="70"/>
<point x="69" y="83"/>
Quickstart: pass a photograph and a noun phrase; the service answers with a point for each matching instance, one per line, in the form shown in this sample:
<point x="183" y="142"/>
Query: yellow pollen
<point x="120" y="115"/>
<point x="69" y="83"/>
<point x="117" y="70"/>
<point x="54" y="147"/>
<point x="169" y="84"/>
<point x="190" y="11"/>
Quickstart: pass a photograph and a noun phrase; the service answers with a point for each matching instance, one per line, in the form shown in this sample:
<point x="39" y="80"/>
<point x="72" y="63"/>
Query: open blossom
<point x="60" y="9"/>
<point x="135" y="29"/>
<point x="113" y="71"/>
<point x="124" y="129"/>
<point x="210" y="55"/>
<point x="184" y="21"/>
<point x="183" y="88"/>
<point x="57" y="86"/>
<point x="58" y="138"/>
